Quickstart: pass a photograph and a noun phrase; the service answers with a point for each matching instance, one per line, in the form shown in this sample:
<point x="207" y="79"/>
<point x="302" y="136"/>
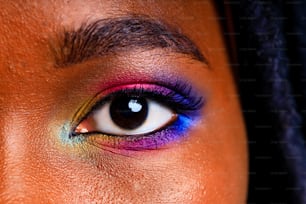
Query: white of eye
<point x="157" y="117"/>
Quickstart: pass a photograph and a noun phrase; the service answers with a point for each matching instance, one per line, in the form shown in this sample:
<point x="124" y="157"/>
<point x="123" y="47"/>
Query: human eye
<point x="138" y="116"/>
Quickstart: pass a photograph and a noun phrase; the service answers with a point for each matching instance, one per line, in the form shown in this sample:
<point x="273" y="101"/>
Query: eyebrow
<point x="114" y="35"/>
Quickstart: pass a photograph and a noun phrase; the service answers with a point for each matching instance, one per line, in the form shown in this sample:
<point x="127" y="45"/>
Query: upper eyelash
<point x="182" y="101"/>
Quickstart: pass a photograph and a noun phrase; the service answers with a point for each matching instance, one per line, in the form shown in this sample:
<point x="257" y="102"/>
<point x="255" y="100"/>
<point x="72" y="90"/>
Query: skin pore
<point x="46" y="92"/>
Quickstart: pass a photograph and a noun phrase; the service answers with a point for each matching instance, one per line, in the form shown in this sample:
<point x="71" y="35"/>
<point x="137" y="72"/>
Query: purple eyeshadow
<point x="180" y="98"/>
<point x="174" y="132"/>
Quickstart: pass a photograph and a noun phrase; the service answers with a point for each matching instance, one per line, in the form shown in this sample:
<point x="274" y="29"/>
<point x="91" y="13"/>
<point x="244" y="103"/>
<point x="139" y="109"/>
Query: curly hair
<point x="272" y="59"/>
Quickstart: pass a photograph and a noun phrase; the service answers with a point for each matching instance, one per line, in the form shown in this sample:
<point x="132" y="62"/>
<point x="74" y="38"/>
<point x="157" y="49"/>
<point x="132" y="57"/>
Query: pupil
<point x="129" y="112"/>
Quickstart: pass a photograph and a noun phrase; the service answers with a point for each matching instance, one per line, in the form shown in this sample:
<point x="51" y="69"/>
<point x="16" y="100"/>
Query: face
<point x="118" y="102"/>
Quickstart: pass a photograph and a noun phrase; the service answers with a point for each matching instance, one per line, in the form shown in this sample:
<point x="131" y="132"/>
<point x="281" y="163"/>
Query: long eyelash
<point x="152" y="141"/>
<point x="179" y="97"/>
<point x="182" y="100"/>
<point x="187" y="97"/>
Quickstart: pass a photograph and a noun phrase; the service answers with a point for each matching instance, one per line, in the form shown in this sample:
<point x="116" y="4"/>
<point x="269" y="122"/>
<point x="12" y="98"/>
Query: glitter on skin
<point x="65" y="137"/>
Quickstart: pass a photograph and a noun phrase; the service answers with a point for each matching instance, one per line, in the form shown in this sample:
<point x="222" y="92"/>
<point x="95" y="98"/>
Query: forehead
<point x="38" y="21"/>
<point x="30" y="30"/>
<point x="68" y="13"/>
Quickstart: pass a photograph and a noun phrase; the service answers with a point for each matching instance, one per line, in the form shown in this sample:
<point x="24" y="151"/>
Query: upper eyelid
<point x="138" y="89"/>
<point x="99" y="100"/>
<point x="108" y="98"/>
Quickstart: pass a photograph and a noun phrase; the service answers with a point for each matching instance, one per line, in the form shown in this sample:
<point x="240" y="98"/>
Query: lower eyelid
<point x="159" y="139"/>
<point x="177" y="130"/>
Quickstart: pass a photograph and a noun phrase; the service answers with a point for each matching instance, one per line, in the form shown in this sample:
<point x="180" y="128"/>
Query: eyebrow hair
<point x="115" y="35"/>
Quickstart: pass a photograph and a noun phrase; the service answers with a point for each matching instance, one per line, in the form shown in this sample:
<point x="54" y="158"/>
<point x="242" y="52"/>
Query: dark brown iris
<point x="129" y="112"/>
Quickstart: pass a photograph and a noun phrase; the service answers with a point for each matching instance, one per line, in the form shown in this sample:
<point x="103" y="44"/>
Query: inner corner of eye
<point x="128" y="116"/>
<point x="81" y="128"/>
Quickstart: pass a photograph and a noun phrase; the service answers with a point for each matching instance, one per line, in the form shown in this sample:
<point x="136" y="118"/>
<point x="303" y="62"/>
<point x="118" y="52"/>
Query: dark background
<point x="269" y="58"/>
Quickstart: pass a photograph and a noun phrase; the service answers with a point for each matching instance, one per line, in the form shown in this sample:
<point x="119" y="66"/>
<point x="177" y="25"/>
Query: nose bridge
<point x="13" y="153"/>
<point x="19" y="121"/>
<point x="23" y="127"/>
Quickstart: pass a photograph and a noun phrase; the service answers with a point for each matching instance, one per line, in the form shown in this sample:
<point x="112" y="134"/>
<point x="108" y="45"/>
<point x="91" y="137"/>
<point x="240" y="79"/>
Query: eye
<point x="137" y="116"/>
<point x="128" y="115"/>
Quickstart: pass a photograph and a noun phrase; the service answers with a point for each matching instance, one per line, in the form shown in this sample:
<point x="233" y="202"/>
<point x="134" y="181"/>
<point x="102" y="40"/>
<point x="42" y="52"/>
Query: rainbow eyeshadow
<point x="155" y="140"/>
<point x="179" y="97"/>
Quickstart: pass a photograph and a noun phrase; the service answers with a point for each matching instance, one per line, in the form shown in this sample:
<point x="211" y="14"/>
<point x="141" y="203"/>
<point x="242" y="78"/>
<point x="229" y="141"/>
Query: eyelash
<point x="183" y="101"/>
<point x="180" y="101"/>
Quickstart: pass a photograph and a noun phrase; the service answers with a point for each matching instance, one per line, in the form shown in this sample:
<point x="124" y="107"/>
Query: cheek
<point x="147" y="179"/>
<point x="225" y="151"/>
<point x="220" y="166"/>
<point x="208" y="168"/>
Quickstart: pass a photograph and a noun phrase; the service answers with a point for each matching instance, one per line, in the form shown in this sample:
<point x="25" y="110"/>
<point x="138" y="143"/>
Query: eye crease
<point x="139" y="116"/>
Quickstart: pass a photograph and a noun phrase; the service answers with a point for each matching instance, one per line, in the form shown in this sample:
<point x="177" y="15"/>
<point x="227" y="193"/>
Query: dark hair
<point x="271" y="46"/>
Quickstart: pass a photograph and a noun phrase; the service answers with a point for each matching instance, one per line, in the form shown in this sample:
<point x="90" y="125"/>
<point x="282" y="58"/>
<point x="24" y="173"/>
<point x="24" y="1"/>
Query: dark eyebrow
<point x="115" y="35"/>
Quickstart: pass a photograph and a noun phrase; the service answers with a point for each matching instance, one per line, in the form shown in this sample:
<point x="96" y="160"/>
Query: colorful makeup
<point x="137" y="117"/>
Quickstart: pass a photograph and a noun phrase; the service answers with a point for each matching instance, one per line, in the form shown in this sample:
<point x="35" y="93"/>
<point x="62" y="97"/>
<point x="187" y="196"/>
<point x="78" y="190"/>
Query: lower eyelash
<point x="184" y="102"/>
<point x="153" y="141"/>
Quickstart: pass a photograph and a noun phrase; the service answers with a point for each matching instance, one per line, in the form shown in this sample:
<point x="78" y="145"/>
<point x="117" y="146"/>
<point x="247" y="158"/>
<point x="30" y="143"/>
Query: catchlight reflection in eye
<point x="139" y="116"/>
<point x="128" y="116"/>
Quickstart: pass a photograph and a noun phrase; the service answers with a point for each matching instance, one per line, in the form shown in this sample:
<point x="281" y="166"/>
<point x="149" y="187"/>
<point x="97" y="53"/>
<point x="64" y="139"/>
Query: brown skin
<point x="36" y="100"/>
